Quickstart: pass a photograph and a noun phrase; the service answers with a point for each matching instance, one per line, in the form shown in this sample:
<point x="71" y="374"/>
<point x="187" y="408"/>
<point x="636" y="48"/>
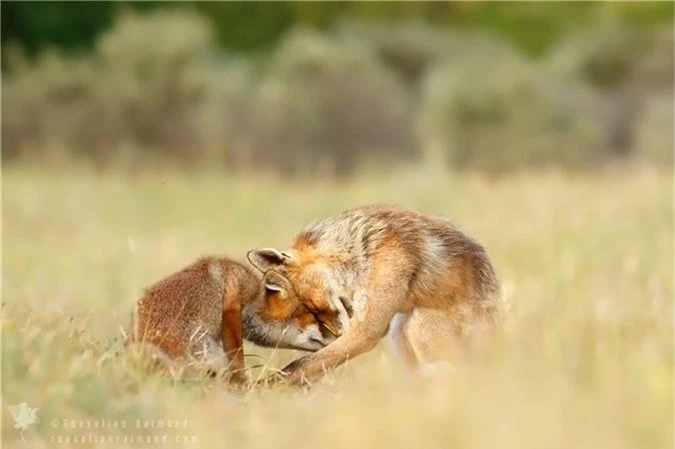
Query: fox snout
<point x="311" y="338"/>
<point x="312" y="344"/>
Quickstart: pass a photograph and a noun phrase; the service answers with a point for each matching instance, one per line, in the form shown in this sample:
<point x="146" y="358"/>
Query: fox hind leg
<point x="432" y="335"/>
<point x="154" y="357"/>
<point x="402" y="345"/>
<point x="208" y="356"/>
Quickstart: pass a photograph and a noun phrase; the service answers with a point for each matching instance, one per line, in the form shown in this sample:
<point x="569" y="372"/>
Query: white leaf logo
<point x="24" y="416"/>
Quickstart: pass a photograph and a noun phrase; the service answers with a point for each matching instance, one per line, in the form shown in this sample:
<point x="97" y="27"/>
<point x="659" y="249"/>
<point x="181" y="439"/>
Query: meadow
<point x="585" y="359"/>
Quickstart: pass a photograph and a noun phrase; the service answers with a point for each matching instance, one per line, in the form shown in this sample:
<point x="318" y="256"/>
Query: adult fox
<point x="377" y="267"/>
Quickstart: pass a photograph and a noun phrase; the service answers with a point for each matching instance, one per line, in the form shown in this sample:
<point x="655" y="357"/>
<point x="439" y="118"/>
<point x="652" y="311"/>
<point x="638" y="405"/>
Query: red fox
<point x="197" y="313"/>
<point x="380" y="267"/>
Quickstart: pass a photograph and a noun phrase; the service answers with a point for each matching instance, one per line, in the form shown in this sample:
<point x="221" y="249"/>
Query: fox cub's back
<point x="188" y="305"/>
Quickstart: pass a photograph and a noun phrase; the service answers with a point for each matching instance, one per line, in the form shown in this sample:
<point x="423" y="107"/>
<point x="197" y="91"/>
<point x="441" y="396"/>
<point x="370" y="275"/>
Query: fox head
<point x="315" y="281"/>
<point x="278" y="318"/>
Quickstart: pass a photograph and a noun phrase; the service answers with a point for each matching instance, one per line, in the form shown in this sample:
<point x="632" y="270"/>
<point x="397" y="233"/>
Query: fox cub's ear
<point x="275" y="283"/>
<point x="265" y="258"/>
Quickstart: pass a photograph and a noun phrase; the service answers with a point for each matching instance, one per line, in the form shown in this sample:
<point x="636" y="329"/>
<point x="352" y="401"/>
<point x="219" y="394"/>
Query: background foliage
<point x="306" y="88"/>
<point x="243" y="25"/>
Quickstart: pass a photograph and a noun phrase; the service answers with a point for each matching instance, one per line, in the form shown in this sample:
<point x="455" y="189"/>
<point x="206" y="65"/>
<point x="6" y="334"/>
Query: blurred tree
<point x="248" y="25"/>
<point x="68" y="25"/>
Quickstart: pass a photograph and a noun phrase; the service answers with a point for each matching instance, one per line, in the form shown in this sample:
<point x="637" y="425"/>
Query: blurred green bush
<point x="491" y="109"/>
<point x="154" y="90"/>
<point x="330" y="106"/>
<point x="627" y="67"/>
<point x="140" y="90"/>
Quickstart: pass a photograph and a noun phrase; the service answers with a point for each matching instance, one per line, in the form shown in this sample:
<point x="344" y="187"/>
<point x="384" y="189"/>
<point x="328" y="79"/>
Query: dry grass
<point x="586" y="360"/>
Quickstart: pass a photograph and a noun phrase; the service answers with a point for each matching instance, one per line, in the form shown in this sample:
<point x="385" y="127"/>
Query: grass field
<point x="586" y="360"/>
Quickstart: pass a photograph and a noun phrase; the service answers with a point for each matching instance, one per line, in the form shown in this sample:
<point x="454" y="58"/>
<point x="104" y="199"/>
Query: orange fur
<point x="375" y="263"/>
<point x="196" y="312"/>
<point x="279" y="318"/>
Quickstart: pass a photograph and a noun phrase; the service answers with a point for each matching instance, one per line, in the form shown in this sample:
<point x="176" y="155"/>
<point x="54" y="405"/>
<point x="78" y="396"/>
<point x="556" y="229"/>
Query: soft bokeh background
<point x="326" y="89"/>
<point x="137" y="136"/>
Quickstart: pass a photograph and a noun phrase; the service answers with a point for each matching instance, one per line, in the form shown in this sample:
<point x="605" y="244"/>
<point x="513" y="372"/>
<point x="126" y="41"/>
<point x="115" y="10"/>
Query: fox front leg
<point x="231" y="334"/>
<point x="348" y="346"/>
<point x="363" y="335"/>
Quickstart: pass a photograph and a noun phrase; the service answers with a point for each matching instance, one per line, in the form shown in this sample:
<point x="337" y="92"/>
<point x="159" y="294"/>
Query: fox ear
<point x="275" y="283"/>
<point x="265" y="258"/>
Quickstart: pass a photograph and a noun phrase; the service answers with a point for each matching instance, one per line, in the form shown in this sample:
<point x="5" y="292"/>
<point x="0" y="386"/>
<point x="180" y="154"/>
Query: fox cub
<point x="385" y="269"/>
<point x="196" y="314"/>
